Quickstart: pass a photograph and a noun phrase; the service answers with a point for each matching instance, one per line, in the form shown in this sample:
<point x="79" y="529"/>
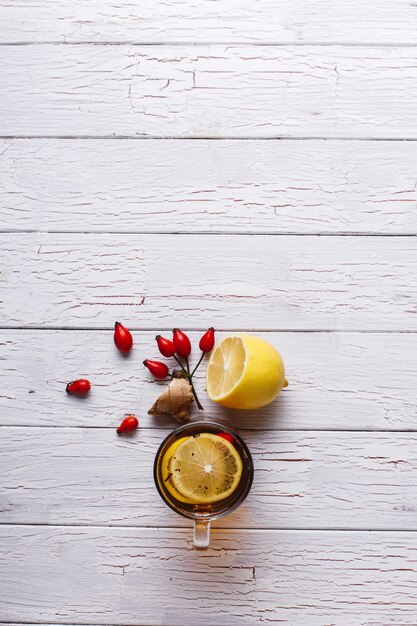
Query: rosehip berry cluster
<point x="180" y="347"/>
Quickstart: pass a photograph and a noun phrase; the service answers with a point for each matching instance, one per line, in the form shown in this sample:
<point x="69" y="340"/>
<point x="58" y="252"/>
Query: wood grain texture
<point x="152" y="577"/>
<point x="215" y="186"/>
<point x="340" y="381"/>
<point x="209" y="91"/>
<point x="289" y="21"/>
<point x="159" y="281"/>
<point x="302" y="480"/>
<point x="84" y="537"/>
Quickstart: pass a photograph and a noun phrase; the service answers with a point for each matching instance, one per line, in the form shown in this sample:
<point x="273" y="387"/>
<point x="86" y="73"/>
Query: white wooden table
<point x="248" y="165"/>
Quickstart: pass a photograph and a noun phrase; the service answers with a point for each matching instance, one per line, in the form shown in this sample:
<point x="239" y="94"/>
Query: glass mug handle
<point x="201" y="534"/>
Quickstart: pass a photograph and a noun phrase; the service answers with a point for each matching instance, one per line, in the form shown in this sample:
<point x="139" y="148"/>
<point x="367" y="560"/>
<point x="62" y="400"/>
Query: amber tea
<point x="203" y="470"/>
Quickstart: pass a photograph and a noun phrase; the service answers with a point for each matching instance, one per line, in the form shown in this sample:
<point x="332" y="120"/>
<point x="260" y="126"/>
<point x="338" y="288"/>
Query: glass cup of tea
<point x="203" y="470"/>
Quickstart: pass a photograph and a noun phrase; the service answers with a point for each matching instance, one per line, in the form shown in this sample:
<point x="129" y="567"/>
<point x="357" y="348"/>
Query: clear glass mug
<point x="203" y="514"/>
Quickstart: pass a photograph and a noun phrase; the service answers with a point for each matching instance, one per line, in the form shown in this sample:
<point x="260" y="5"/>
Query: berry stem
<point x="182" y="367"/>
<point x="195" y="395"/>
<point x="190" y="379"/>
<point x="198" y="364"/>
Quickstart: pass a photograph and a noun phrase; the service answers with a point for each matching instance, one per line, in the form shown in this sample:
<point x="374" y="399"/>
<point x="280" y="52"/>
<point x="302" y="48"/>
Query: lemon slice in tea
<point x="166" y="471"/>
<point x="206" y="468"/>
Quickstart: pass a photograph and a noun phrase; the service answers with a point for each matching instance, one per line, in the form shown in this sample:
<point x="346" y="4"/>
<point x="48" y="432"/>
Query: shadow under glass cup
<point x="201" y="513"/>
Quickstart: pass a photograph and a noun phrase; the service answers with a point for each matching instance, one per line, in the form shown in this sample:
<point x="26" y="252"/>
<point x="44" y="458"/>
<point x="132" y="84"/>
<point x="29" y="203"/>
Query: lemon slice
<point x="166" y="472"/>
<point x="206" y="468"/>
<point x="245" y="372"/>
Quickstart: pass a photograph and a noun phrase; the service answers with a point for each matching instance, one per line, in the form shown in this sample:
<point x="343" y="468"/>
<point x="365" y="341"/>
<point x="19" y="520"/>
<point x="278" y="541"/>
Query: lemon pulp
<point x="226" y="366"/>
<point x="166" y="471"/>
<point x="205" y="468"/>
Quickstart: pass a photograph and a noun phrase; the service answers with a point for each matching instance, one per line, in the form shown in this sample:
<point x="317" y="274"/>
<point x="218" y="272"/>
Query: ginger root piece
<point x="175" y="400"/>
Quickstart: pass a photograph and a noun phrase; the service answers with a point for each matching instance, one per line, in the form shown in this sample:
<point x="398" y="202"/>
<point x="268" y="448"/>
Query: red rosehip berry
<point x="182" y="343"/>
<point x="129" y="423"/>
<point x="156" y="368"/>
<point x="78" y="387"/>
<point x="122" y="338"/>
<point x="207" y="341"/>
<point x="226" y="436"/>
<point x="166" y="346"/>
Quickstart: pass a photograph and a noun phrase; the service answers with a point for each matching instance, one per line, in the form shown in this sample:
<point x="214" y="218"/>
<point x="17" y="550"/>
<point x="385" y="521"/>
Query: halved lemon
<point x="245" y="372"/>
<point x="206" y="468"/>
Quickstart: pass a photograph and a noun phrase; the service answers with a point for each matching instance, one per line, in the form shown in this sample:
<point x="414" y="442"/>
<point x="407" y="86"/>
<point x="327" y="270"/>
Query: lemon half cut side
<point x="245" y="372"/>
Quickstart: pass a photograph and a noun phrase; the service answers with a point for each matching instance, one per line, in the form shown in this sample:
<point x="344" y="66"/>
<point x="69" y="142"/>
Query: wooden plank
<point x="316" y="480"/>
<point x="209" y="91"/>
<point x="159" y="281"/>
<point x="354" y="380"/>
<point x="215" y="186"/>
<point x="153" y="577"/>
<point x="289" y="21"/>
